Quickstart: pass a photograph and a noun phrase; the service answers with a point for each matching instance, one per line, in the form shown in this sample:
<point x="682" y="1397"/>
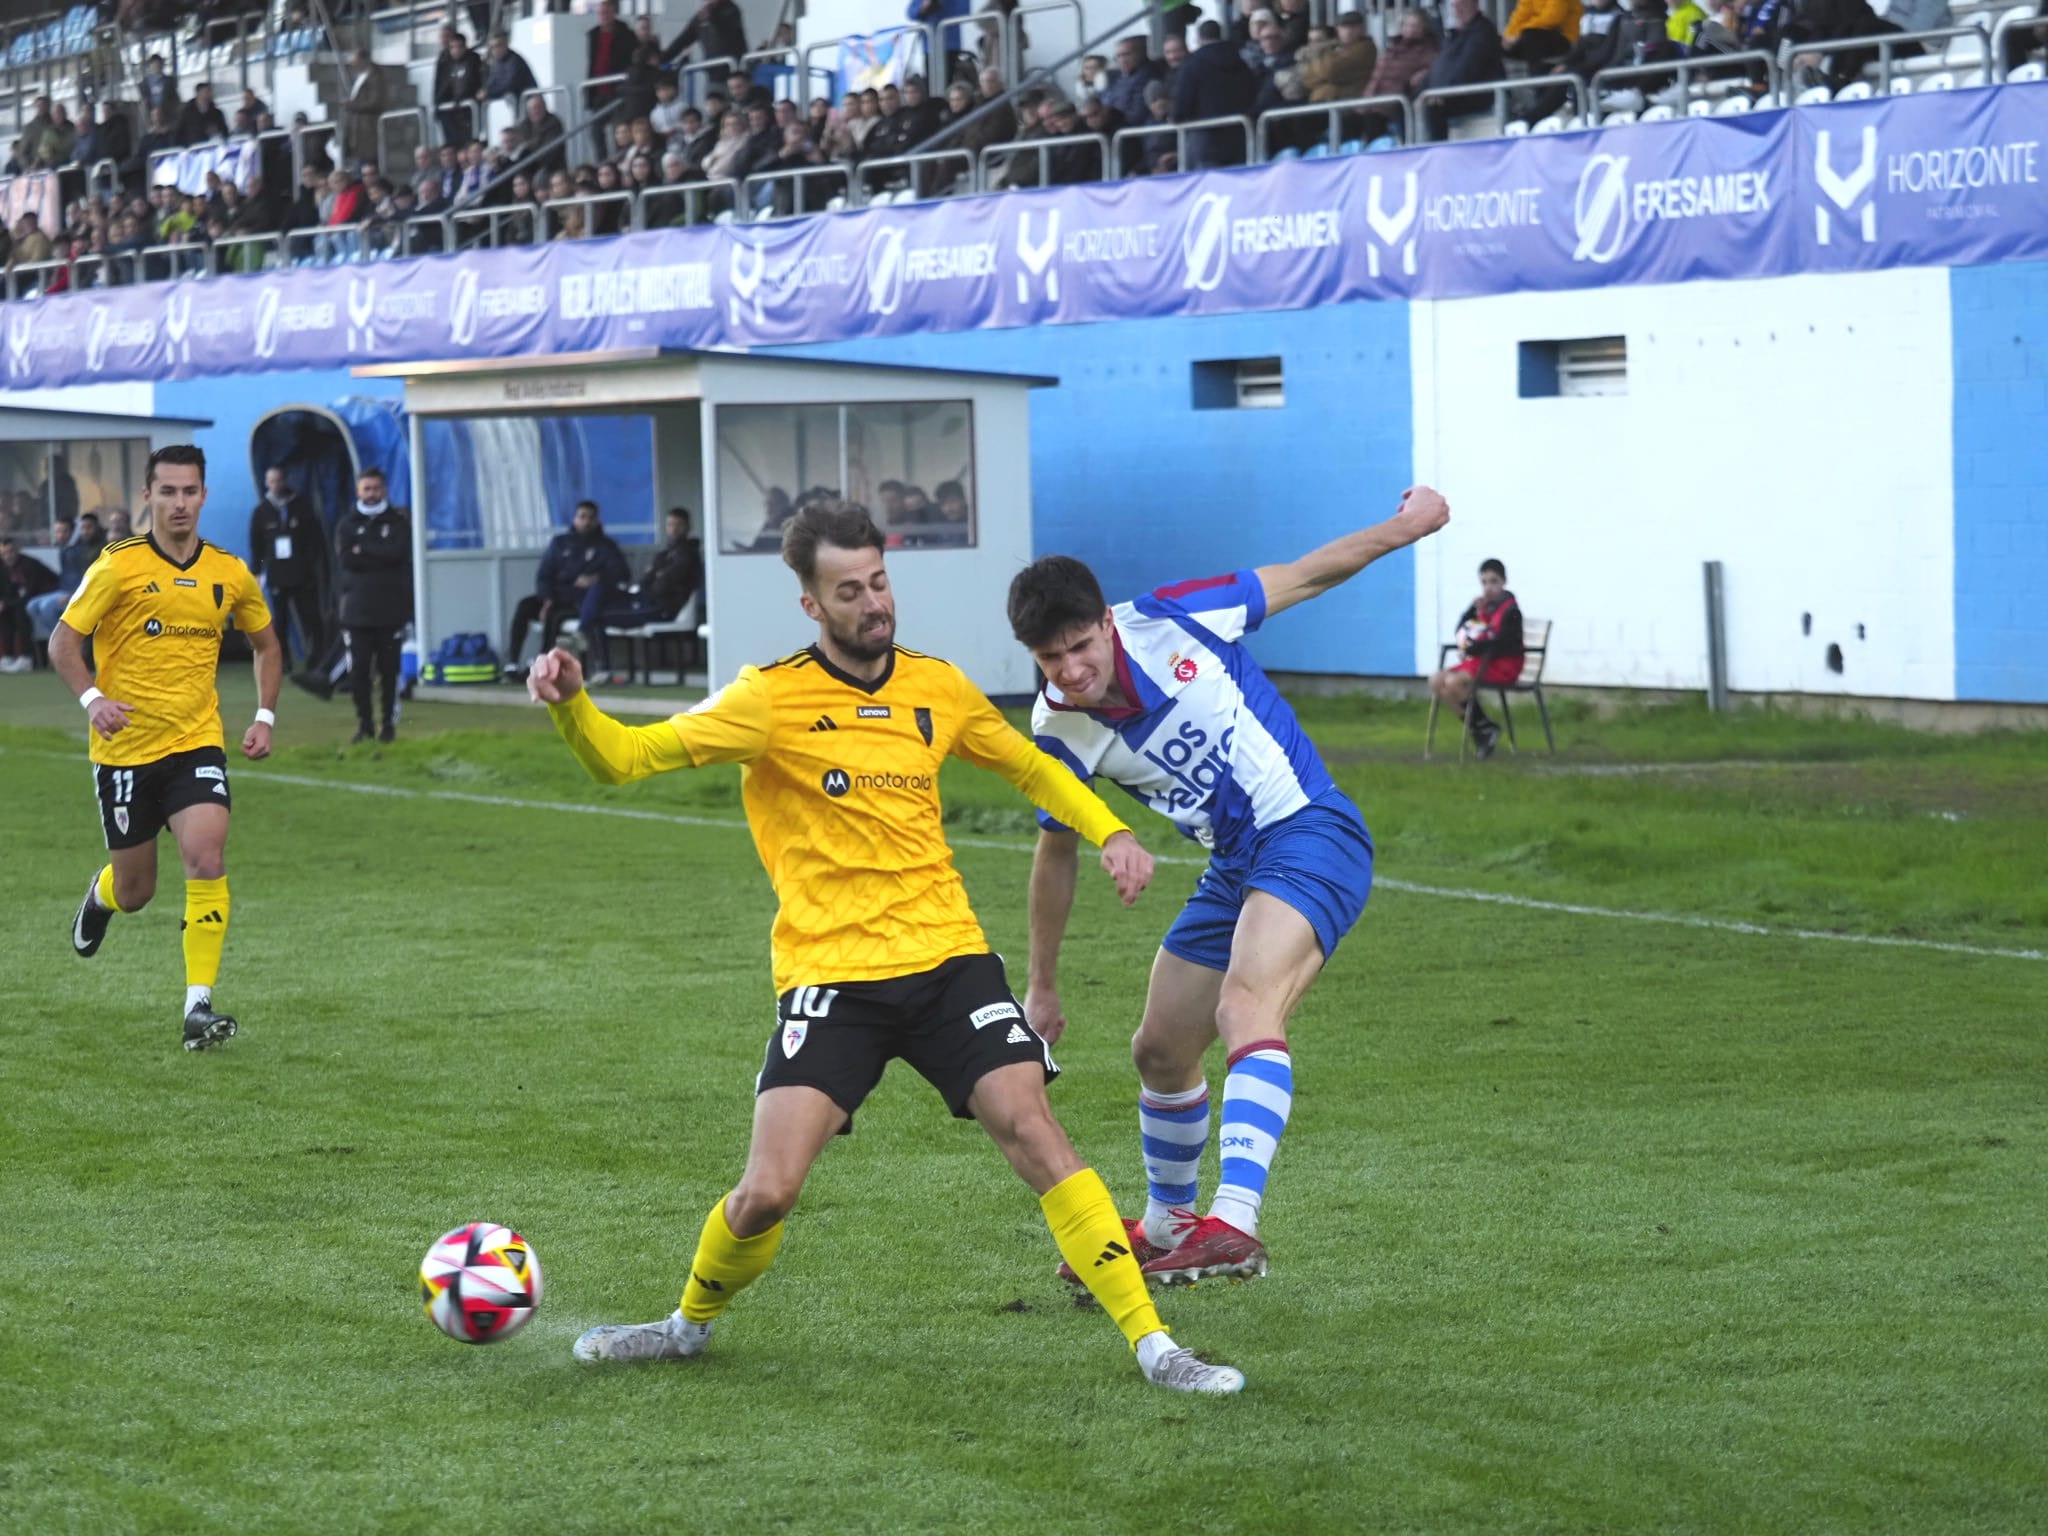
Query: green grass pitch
<point x="1583" y="1222"/>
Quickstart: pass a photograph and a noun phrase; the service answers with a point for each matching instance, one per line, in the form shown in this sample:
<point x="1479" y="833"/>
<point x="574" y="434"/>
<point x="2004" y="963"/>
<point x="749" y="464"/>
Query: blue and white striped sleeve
<point x="1228" y="606"/>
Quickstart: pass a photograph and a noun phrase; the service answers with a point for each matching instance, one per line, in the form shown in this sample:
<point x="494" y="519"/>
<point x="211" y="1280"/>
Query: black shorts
<point x="137" y="801"/>
<point x="955" y="1024"/>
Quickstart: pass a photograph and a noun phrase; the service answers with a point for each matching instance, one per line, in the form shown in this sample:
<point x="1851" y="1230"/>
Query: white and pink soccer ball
<point x="480" y="1283"/>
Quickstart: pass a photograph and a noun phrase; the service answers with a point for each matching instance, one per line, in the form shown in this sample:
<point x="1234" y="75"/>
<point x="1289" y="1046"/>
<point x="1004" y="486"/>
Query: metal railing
<point x="413" y="232"/>
<point x="417" y="116"/>
<point x="523" y="217"/>
<point x="1678" y="92"/>
<point x="326" y="245"/>
<point x="702" y="202"/>
<point x="1207" y="127"/>
<point x="266" y="259"/>
<point x="1392" y="108"/>
<point x="921" y="183"/>
<point x="2001" y="36"/>
<point x="1886" y="45"/>
<point x="811" y="71"/>
<point x="1042" y="149"/>
<point x="1011" y="38"/>
<point x="1497" y="93"/>
<point x="555" y="224"/>
<point x="763" y="198"/>
<point x="692" y="86"/>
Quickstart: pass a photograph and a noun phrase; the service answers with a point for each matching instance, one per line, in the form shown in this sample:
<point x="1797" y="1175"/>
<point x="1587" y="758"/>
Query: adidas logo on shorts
<point x="1016" y="1036"/>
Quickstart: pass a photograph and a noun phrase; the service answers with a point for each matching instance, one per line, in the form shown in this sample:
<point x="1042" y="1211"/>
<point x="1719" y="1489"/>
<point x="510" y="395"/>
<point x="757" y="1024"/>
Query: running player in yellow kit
<point x="877" y="953"/>
<point x="155" y="607"/>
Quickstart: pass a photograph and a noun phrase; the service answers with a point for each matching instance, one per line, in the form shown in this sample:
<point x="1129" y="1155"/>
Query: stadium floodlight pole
<point x="1029" y="79"/>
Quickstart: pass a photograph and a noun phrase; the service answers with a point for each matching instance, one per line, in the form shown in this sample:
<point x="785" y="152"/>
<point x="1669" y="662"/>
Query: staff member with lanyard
<point x="373" y="546"/>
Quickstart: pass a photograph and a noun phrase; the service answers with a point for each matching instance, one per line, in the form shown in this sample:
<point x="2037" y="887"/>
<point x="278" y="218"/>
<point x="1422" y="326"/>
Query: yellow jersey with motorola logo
<point x="841" y="787"/>
<point x="156" y="628"/>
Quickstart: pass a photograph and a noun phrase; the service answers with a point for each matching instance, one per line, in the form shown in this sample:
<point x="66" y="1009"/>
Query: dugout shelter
<point x="941" y="457"/>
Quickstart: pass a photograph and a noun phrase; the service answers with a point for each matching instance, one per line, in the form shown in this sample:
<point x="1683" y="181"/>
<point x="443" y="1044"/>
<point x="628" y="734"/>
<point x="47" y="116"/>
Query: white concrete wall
<point x="1797" y="429"/>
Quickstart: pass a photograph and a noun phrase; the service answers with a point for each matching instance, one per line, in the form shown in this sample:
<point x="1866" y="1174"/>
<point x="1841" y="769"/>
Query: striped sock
<point x="1174" y="1128"/>
<point x="1256" y="1098"/>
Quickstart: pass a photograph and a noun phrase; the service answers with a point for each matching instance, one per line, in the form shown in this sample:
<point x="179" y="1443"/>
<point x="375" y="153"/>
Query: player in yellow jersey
<point x="876" y="952"/>
<point x="155" y="607"/>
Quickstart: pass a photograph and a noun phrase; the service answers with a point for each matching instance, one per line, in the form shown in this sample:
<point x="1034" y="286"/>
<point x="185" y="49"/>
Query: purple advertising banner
<point x="1945" y="179"/>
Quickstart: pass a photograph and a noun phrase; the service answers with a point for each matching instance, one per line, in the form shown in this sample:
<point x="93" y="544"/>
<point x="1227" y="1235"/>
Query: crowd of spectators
<point x="500" y="144"/>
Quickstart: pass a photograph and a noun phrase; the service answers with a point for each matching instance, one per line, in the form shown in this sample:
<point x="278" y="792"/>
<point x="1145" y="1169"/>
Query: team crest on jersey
<point x="793" y="1031"/>
<point x="924" y="725"/>
<point x="1184" y="668"/>
<point x="121" y="819"/>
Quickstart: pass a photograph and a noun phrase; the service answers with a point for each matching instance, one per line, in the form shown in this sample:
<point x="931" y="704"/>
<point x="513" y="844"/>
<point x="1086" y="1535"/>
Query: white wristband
<point x="266" y="717"/>
<point x="90" y="697"/>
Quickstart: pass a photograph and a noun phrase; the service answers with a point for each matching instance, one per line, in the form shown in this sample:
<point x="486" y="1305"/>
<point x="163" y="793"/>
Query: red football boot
<point x="1211" y="1248"/>
<point x="1141" y="1250"/>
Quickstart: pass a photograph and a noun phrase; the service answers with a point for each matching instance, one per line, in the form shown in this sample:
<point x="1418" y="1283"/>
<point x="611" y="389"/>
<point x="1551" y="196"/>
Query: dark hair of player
<point x="1494" y="566"/>
<point x="372" y="473"/>
<point x="1050" y="597"/>
<point x="842" y="524"/>
<point x="177" y="453"/>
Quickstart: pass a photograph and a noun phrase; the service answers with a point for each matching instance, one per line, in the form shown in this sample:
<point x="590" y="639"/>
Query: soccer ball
<point x="480" y="1283"/>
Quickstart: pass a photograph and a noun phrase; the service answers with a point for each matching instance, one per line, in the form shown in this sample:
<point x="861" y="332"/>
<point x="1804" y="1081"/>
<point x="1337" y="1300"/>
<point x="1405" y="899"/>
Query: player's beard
<point x="864" y="644"/>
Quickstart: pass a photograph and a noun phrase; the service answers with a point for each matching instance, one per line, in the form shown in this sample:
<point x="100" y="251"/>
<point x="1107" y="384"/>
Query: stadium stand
<point x="409" y="143"/>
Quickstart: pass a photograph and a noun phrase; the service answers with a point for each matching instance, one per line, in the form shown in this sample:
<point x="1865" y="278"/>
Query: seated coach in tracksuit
<point x="581" y="571"/>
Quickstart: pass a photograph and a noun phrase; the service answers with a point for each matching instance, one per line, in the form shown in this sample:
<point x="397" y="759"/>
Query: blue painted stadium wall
<point x="2001" y="458"/>
<point x="1129" y="475"/>
<point x="234" y="405"/>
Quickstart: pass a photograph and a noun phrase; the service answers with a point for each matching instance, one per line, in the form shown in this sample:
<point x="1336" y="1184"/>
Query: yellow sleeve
<point x="95" y="595"/>
<point x="729" y="727"/>
<point x="251" y="612"/>
<point x="989" y="741"/>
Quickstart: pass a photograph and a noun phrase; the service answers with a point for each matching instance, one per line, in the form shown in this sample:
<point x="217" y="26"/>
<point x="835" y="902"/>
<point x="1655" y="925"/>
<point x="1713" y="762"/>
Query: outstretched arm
<point x="1422" y="512"/>
<point x="1055" y="868"/>
<point x="614" y="753"/>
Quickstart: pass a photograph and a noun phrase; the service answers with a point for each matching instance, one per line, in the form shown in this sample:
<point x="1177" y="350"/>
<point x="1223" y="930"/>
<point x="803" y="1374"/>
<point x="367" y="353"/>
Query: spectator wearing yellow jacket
<point x="1684" y="18"/>
<point x="1541" y="31"/>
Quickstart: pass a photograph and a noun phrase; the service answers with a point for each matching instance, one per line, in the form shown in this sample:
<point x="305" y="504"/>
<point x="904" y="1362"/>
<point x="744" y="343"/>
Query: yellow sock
<point x="725" y="1265"/>
<point x="105" y="889"/>
<point x="1084" y="1223"/>
<point x="206" y="930"/>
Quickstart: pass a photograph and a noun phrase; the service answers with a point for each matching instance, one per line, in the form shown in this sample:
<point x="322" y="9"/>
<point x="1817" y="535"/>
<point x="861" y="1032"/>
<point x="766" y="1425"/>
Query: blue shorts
<point x="1318" y="861"/>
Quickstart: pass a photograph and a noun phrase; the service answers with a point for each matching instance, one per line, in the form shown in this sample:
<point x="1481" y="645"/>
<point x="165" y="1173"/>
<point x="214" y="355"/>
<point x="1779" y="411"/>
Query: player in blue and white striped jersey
<point x="1159" y="696"/>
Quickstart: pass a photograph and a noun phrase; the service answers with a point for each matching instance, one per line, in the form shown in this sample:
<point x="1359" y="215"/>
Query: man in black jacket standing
<point x="458" y="87"/>
<point x="287" y="553"/>
<point x="373" y="544"/>
<point x="1213" y="83"/>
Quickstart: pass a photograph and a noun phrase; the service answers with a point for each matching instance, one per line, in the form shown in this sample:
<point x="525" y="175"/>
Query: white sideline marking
<point x="1406" y="887"/>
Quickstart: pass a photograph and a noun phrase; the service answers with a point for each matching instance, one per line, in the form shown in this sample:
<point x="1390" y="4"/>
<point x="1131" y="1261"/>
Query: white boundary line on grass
<point x="1406" y="887"/>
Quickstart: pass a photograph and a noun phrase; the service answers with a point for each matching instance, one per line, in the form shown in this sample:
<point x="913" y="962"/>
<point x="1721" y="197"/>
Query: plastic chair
<point x="1855" y="90"/>
<point x="1940" y="80"/>
<point x="1535" y="652"/>
<point x="1551" y="124"/>
<point x="1351" y="147"/>
<point x="1661" y="113"/>
<point x="2033" y="70"/>
<point x="1732" y="106"/>
<point x="1813" y="96"/>
<point x="1617" y="119"/>
<point x="1902" y="85"/>
<point x="1516" y="129"/>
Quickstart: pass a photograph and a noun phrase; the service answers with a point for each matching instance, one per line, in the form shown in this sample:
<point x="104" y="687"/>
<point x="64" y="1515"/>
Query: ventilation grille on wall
<point x="1585" y="365"/>
<point x="1239" y="383"/>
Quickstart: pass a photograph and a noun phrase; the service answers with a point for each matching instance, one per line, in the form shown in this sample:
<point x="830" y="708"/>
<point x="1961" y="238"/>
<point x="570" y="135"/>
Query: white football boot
<point x="673" y="1338"/>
